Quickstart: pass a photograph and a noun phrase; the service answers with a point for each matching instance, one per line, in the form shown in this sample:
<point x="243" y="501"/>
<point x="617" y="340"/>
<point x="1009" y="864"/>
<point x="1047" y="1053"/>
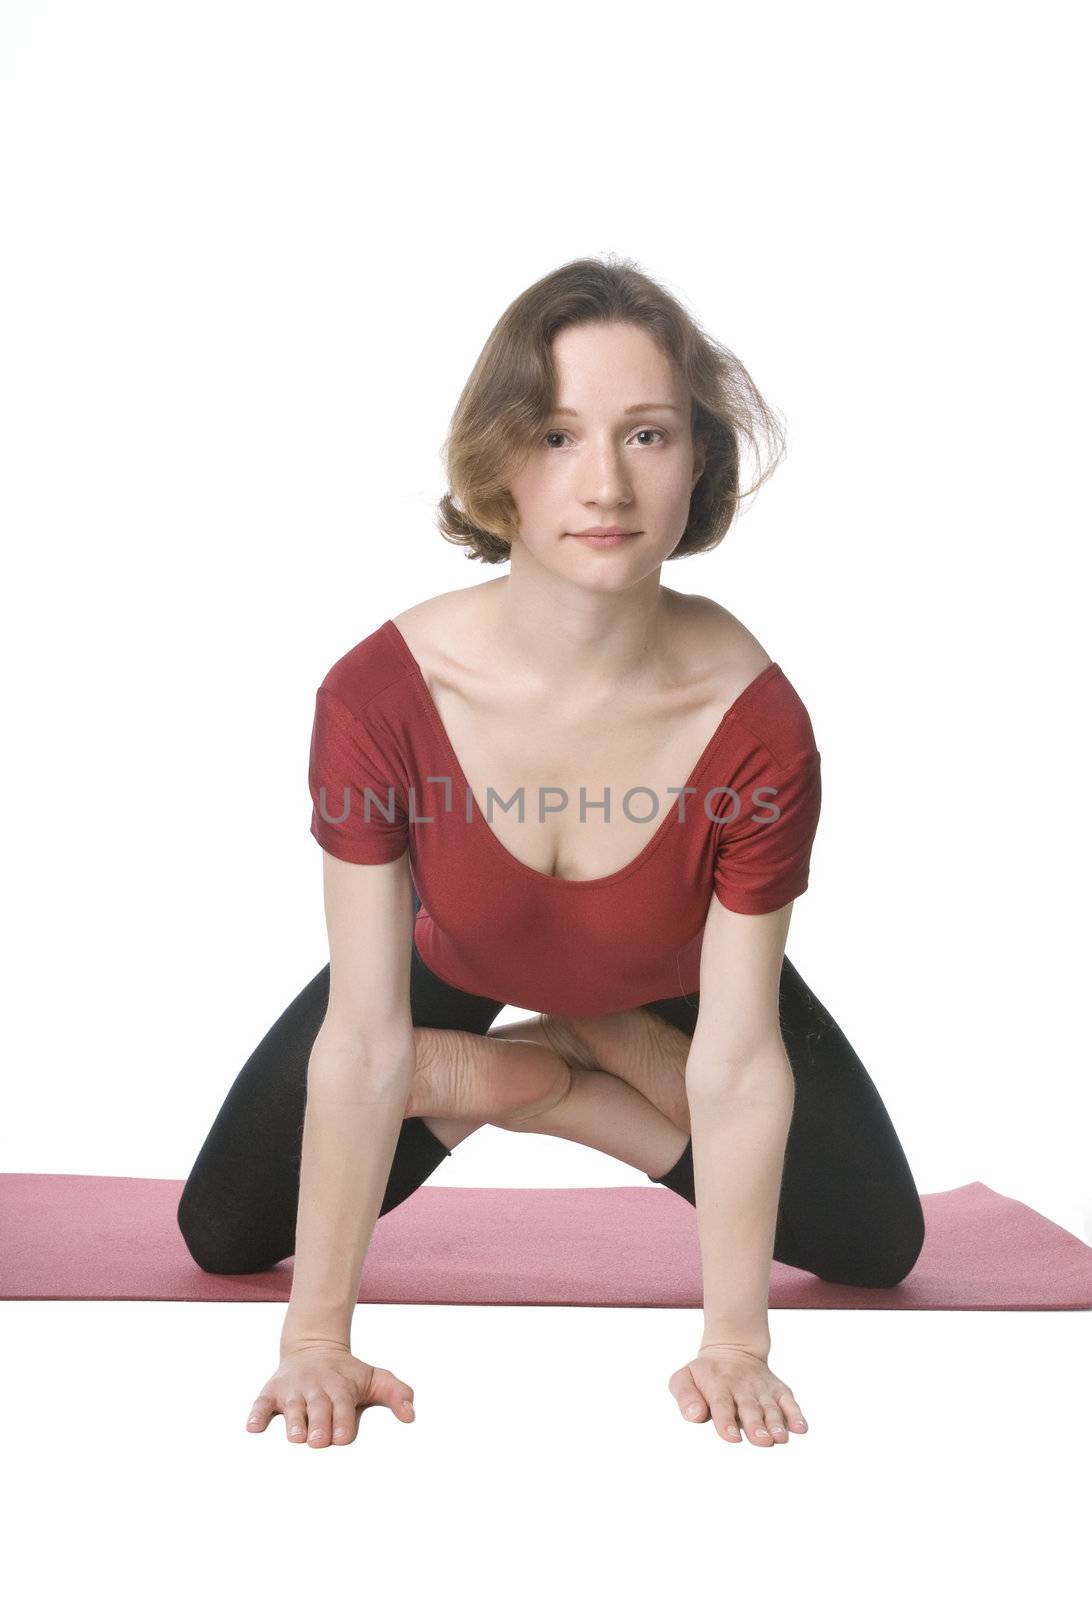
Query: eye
<point x="558" y="433"/>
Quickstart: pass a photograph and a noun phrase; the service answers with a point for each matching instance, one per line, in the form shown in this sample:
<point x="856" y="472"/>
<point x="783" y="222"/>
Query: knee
<point x="211" y="1251"/>
<point x="886" y="1268"/>
<point x="903" y="1255"/>
<point x="216" y="1260"/>
<point x="884" y="1275"/>
<point x="871" y="1256"/>
<point x="219" y="1262"/>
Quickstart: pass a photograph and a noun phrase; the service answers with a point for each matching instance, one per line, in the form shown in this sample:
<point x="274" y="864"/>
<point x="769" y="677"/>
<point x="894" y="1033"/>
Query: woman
<point x="646" y="931"/>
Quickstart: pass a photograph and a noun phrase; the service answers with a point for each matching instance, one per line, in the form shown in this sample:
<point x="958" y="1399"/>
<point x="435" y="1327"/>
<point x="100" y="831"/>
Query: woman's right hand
<point x="321" y="1389"/>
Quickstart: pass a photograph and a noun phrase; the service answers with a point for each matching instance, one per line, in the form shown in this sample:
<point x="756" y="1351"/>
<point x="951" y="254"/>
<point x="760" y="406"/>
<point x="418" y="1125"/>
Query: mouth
<point x="614" y="536"/>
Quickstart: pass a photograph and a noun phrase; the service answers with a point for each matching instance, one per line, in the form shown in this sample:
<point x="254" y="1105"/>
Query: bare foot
<point x="485" y="1078"/>
<point x="637" y="1046"/>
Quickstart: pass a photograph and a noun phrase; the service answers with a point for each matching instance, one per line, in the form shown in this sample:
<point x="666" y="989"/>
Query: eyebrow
<point x="655" y="405"/>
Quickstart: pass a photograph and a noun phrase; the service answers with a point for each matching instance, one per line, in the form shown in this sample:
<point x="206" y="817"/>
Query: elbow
<point x="758" y="1075"/>
<point x="378" y="1059"/>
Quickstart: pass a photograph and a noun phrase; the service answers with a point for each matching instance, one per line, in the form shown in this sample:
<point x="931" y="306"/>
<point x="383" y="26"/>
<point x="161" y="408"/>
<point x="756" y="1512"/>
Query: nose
<point x="606" y="476"/>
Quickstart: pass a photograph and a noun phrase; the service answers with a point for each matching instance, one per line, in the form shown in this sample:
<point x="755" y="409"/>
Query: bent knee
<point x="223" y="1259"/>
<point x="877" y="1270"/>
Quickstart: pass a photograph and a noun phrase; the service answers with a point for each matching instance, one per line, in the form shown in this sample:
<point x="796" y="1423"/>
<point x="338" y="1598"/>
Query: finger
<point x="295" y="1419"/>
<point x="724" y="1416"/>
<point x="792" y="1413"/>
<point x="346" y="1421"/>
<point x="387" y="1390"/>
<point x="344" y="1411"/>
<point x="692" y="1403"/>
<point x="753" y="1421"/>
<point x="260" y="1413"/>
<point x="319" y="1412"/>
<point x="775" y="1422"/>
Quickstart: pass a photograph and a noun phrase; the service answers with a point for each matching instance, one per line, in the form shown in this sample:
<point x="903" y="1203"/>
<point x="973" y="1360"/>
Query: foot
<point x="507" y="1077"/>
<point x="637" y="1046"/>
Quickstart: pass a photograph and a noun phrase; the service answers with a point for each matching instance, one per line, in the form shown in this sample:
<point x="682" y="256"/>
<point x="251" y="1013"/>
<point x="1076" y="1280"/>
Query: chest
<point x="577" y="797"/>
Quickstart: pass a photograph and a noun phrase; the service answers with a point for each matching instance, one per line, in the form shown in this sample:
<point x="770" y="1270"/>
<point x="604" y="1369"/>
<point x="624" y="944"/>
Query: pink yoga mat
<point x="69" y="1237"/>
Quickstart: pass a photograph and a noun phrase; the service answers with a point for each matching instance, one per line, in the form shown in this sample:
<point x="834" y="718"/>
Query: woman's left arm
<point x="739" y="1086"/>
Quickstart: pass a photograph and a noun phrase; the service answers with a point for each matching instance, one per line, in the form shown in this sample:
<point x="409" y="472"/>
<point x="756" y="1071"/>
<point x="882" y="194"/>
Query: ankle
<point x="681" y="1148"/>
<point x="524" y="1120"/>
<point x="451" y="1131"/>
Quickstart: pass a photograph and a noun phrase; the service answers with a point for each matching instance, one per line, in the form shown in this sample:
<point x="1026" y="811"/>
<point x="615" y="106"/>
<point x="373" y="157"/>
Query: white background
<point x="250" y="255"/>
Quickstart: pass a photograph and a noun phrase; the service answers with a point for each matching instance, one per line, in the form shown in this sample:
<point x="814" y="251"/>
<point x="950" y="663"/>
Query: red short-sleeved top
<point x="489" y="924"/>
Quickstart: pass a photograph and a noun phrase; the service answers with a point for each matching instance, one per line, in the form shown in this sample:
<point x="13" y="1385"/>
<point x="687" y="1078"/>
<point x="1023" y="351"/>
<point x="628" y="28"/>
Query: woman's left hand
<point x="736" y="1387"/>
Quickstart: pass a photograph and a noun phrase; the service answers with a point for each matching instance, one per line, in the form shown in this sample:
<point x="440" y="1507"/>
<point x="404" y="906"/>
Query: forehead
<point x="641" y="406"/>
<point x="610" y="356"/>
<point x="617" y="367"/>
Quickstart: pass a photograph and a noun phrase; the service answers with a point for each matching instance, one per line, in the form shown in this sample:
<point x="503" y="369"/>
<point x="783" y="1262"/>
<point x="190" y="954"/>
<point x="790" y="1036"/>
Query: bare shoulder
<point x="433" y="628"/>
<point x="719" y="646"/>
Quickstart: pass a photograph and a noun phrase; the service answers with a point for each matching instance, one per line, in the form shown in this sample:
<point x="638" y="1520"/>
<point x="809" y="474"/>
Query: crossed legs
<point x="613" y="1083"/>
<point x="849" y="1210"/>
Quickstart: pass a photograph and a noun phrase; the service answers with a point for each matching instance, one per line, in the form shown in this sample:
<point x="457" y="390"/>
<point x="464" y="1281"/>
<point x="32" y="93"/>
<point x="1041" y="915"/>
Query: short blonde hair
<point x="509" y="397"/>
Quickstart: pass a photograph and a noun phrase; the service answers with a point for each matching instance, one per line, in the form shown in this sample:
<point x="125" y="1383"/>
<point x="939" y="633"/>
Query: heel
<point x="680" y="1177"/>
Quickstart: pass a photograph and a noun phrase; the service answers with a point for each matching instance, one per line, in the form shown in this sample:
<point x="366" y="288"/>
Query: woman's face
<point x="613" y="454"/>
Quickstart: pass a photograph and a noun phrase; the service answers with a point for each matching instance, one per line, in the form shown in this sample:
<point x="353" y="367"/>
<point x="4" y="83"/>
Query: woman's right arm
<point x="358" y="1083"/>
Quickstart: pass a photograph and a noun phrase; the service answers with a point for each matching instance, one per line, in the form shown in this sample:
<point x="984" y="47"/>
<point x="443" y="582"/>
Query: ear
<point x="699" y="461"/>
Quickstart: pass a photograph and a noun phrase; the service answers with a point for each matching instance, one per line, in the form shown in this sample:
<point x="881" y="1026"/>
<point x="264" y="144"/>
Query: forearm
<point x="356" y="1102"/>
<point x="739" y="1129"/>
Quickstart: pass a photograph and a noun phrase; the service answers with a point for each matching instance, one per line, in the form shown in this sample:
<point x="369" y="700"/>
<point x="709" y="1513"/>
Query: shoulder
<point x="716" y="646"/>
<point x="722" y="640"/>
<point x="436" y="630"/>
<point x="766" y="701"/>
<point x="424" y="638"/>
<point x="368" y="670"/>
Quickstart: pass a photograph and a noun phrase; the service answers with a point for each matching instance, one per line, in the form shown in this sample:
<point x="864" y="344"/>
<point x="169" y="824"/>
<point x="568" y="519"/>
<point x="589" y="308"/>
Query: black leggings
<point x="849" y="1209"/>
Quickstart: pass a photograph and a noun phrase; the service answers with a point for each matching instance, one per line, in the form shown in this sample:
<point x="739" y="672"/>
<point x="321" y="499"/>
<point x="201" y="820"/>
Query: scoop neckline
<point x="503" y="852"/>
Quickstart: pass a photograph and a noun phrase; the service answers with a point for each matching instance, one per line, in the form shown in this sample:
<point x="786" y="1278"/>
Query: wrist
<point x="300" y="1329"/>
<point x="327" y="1348"/>
<point x="757" y="1342"/>
<point x="294" y="1343"/>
